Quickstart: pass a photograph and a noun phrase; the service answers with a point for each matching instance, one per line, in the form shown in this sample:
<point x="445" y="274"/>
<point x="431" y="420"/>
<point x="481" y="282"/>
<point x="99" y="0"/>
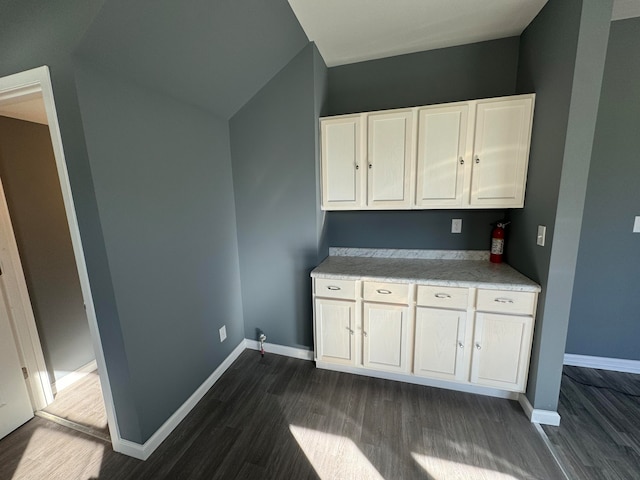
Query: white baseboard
<point x="602" y="363"/>
<point x="73" y="377"/>
<point x="536" y="415"/>
<point x="427" y="382"/>
<point x="142" y="452"/>
<point x="300" y="353"/>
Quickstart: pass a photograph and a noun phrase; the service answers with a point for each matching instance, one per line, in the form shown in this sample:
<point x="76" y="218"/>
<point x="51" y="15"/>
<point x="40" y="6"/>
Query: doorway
<point x="27" y="104"/>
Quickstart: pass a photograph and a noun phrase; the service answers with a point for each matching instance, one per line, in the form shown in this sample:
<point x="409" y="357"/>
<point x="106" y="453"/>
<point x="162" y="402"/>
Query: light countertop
<point x="425" y="267"/>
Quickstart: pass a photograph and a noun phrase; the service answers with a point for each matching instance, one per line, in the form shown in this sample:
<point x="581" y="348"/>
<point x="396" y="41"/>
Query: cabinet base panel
<point x="427" y="382"/>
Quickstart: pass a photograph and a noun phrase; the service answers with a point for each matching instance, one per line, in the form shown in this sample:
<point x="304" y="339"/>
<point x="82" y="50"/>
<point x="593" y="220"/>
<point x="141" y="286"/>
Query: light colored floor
<point x="82" y="403"/>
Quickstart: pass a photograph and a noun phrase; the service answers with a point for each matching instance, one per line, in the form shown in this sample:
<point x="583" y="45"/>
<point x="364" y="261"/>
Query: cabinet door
<point x="385" y="337"/>
<point x="501" y="152"/>
<point x="335" y="335"/>
<point x="442" y="140"/>
<point x="342" y="156"/>
<point x="439" y="344"/>
<point x="389" y="150"/>
<point x="501" y="349"/>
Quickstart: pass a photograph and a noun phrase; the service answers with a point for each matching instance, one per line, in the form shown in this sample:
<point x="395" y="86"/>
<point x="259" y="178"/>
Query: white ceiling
<point x="349" y="31"/>
<point x="31" y="110"/>
<point x="625" y="9"/>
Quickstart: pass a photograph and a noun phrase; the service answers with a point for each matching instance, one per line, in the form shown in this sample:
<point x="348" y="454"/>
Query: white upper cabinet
<point x="460" y="155"/>
<point x="501" y="152"/>
<point x="342" y="162"/>
<point x="389" y="153"/>
<point x="442" y="152"/>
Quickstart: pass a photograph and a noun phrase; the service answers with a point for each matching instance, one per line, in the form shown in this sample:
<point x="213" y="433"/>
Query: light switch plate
<point x="223" y="333"/>
<point x="456" y="225"/>
<point x="542" y="235"/>
<point x="636" y="225"/>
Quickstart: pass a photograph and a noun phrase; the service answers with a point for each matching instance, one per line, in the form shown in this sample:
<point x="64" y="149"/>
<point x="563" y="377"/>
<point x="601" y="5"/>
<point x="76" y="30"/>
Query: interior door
<point x="15" y="405"/>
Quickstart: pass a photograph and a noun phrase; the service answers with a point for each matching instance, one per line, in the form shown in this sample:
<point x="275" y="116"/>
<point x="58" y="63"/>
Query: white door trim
<point x="22" y="85"/>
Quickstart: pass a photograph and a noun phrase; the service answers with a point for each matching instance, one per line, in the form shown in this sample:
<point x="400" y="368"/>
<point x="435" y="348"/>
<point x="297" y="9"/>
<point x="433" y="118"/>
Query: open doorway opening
<point x="46" y="287"/>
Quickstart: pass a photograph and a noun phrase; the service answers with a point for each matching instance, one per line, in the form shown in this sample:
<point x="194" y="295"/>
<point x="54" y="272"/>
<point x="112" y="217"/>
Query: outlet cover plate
<point x="223" y="333"/>
<point x="542" y="235"/>
<point x="456" y="225"/>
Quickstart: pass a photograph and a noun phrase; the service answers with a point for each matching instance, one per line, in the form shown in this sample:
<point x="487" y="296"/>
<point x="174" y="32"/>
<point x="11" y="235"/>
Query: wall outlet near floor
<point x="223" y="333"/>
<point x="456" y="225"/>
<point x="636" y="225"/>
<point x="542" y="235"/>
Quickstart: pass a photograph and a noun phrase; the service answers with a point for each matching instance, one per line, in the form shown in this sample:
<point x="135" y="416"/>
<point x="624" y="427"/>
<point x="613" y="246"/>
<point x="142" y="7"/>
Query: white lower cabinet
<point x="440" y="349"/>
<point x="385" y="337"/>
<point x="501" y="347"/>
<point x="477" y="337"/>
<point x="335" y="331"/>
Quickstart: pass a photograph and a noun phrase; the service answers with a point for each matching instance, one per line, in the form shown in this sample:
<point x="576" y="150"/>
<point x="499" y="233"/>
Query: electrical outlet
<point x="636" y="225"/>
<point x="542" y="235"/>
<point x="456" y="225"/>
<point x="223" y="333"/>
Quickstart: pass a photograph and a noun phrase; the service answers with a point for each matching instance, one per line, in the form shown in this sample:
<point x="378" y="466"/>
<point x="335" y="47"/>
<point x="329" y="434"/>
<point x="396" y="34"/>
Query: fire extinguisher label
<point x="497" y="245"/>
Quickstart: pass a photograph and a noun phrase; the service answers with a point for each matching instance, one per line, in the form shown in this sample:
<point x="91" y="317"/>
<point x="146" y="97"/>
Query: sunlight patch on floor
<point x="333" y="456"/>
<point x="441" y="469"/>
<point x="77" y="458"/>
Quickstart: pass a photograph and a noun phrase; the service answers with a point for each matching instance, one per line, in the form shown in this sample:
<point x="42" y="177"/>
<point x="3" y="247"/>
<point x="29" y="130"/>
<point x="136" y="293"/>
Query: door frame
<point x="26" y="85"/>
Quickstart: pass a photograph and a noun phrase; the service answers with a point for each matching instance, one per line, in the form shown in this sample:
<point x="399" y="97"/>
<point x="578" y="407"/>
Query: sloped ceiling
<point x="349" y="31"/>
<point x="215" y="54"/>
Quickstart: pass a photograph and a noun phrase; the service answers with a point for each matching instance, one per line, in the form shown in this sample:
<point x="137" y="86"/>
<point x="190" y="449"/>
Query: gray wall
<point x="185" y="238"/>
<point x="478" y="70"/>
<point x="32" y="189"/>
<point x="467" y="72"/>
<point x="273" y="143"/>
<point x="561" y="59"/>
<point x="162" y="177"/>
<point x="32" y="34"/>
<point x="605" y="308"/>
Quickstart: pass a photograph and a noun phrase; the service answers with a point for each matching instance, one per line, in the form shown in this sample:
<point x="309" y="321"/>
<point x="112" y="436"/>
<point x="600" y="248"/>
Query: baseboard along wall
<point x="73" y="377"/>
<point x="602" y="363"/>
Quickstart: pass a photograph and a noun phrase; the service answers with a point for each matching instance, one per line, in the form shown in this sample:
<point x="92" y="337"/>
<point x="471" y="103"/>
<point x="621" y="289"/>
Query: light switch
<point x="456" y="225"/>
<point x="542" y="235"/>
<point x="636" y="225"/>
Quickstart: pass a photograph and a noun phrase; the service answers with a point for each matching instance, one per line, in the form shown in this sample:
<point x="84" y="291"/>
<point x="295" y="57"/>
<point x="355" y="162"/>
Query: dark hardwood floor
<point x="281" y="418"/>
<point x="599" y="432"/>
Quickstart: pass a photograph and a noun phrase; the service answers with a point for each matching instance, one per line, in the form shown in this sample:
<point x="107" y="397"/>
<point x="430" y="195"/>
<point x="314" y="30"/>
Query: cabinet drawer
<point x="443" y="297"/>
<point x="327" y="287"/>
<point x="386" y="292"/>
<point x="504" y="301"/>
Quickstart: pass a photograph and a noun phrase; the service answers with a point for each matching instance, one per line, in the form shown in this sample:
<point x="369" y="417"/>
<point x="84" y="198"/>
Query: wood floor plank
<point x="281" y="418"/>
<point x="599" y="434"/>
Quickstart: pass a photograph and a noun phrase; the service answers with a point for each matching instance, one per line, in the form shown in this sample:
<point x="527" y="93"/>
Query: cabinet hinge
<point x="25" y="372"/>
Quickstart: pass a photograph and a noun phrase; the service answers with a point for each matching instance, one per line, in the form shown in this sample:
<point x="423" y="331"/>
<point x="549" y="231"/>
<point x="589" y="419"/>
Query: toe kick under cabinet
<point x="451" y="337"/>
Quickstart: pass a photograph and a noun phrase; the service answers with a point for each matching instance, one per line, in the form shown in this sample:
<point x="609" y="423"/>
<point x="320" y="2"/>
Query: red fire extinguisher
<point x="497" y="242"/>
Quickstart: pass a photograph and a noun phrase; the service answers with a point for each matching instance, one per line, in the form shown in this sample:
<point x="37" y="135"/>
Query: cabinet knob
<point x="357" y="167"/>
<point x="478" y="346"/>
<point x="461" y="161"/>
<point x="477" y="159"/>
<point x="460" y="344"/>
<point x="370" y="166"/>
